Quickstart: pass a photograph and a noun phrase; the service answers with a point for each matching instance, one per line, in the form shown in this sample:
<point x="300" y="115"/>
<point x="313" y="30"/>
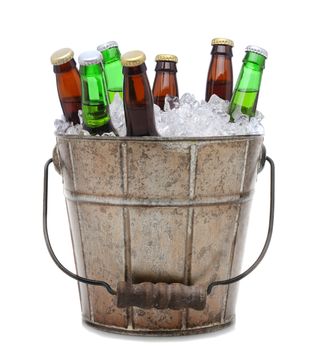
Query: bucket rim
<point x="159" y="139"/>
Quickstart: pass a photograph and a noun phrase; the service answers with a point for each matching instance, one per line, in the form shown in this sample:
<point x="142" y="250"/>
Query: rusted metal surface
<point x="56" y="160"/>
<point x="149" y="295"/>
<point x="158" y="210"/>
<point x="162" y="332"/>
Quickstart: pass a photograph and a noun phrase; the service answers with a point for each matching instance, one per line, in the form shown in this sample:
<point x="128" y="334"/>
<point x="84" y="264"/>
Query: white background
<point x="279" y="305"/>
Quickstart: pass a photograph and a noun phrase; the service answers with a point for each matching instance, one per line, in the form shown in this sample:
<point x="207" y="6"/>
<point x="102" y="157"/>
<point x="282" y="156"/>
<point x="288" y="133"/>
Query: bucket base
<point x="162" y="332"/>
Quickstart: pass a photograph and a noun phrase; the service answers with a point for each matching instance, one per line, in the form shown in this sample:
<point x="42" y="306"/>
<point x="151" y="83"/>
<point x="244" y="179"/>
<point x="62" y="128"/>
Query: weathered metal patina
<point x="158" y="210"/>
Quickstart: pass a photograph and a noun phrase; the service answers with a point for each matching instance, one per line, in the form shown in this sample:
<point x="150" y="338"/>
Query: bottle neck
<point x="111" y="55"/>
<point x="249" y="78"/>
<point x="254" y="60"/>
<point x="251" y="72"/>
<point x="166" y="66"/>
<point x="141" y="69"/>
<point x="65" y="67"/>
<point x="222" y="50"/>
<point x="91" y="70"/>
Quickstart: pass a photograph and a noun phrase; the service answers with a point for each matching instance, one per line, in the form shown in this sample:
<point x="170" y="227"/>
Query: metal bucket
<point x="171" y="213"/>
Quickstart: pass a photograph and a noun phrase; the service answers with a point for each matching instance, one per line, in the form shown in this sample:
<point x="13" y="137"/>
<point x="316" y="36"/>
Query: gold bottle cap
<point x="222" y="41"/>
<point x="166" y="57"/>
<point x="62" y="56"/>
<point x="133" y="58"/>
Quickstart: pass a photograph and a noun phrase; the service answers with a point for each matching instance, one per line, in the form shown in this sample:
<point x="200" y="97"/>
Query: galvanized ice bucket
<point x="158" y="227"/>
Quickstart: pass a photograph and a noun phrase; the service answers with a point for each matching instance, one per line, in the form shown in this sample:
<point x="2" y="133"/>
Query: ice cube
<point x="76" y="130"/>
<point x="61" y="125"/>
<point x="200" y="119"/>
<point x="171" y="102"/>
<point x="107" y="134"/>
<point x="181" y="117"/>
<point x="189" y="99"/>
<point x="215" y="100"/>
<point x="80" y="117"/>
<point x="116" y="109"/>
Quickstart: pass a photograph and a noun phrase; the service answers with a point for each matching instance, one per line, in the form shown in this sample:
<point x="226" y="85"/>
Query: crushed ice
<point x="181" y="117"/>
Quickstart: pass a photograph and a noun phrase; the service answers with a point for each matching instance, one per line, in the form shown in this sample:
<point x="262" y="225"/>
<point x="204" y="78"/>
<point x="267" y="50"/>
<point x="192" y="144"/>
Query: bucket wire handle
<point x="47" y="240"/>
<point x="162" y="295"/>
<point x="268" y="238"/>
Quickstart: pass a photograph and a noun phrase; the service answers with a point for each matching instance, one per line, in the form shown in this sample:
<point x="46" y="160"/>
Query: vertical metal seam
<point x="192" y="173"/>
<point x="80" y="233"/>
<point x="190" y="228"/>
<point x="245" y="164"/>
<point x="236" y="229"/>
<point x="126" y="229"/>
<point x="123" y="155"/>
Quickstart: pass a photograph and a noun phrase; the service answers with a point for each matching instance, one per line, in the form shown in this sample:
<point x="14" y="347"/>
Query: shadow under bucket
<point x="160" y="223"/>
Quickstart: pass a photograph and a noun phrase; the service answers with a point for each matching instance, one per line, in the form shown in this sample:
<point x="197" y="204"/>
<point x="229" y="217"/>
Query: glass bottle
<point x="220" y="72"/>
<point x="68" y="83"/>
<point x="95" y="108"/>
<point x="138" y="99"/>
<point x="113" y="69"/>
<point x="246" y="92"/>
<point x="165" y="82"/>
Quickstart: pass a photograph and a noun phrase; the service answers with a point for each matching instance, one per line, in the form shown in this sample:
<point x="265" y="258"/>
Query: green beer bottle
<point x="113" y="68"/>
<point x="95" y="108"/>
<point x="246" y="91"/>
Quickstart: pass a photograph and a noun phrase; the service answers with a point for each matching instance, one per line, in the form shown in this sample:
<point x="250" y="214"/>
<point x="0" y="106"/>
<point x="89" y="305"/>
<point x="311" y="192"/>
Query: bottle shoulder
<point x="91" y="70"/>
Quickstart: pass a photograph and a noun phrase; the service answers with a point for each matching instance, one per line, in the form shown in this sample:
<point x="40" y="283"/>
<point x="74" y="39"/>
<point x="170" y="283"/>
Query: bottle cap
<point x="133" y="58"/>
<point x="61" y="56"/>
<point x="256" y="49"/>
<point x="90" y="57"/>
<point x="166" y="57"/>
<point x="222" y="41"/>
<point x="106" y="46"/>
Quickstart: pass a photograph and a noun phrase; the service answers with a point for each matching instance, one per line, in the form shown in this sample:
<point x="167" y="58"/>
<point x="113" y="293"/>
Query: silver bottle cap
<point x="90" y="57"/>
<point x="108" y="45"/>
<point x="257" y="49"/>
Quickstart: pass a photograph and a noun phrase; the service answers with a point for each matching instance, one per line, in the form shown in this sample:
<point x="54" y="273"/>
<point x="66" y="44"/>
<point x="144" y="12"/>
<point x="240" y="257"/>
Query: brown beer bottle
<point x="220" y="72"/>
<point x="68" y="83"/>
<point x="138" y="99"/>
<point x="165" y="82"/>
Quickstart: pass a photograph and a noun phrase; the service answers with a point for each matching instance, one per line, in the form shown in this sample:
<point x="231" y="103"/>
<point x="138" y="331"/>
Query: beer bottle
<point x="165" y="82"/>
<point x="68" y="83"/>
<point x="95" y="108"/>
<point x="220" y="72"/>
<point x="113" y="69"/>
<point x="138" y="99"/>
<point x="246" y="92"/>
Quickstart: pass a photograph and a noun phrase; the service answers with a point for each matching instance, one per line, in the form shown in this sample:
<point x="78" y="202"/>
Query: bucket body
<point x="158" y="210"/>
